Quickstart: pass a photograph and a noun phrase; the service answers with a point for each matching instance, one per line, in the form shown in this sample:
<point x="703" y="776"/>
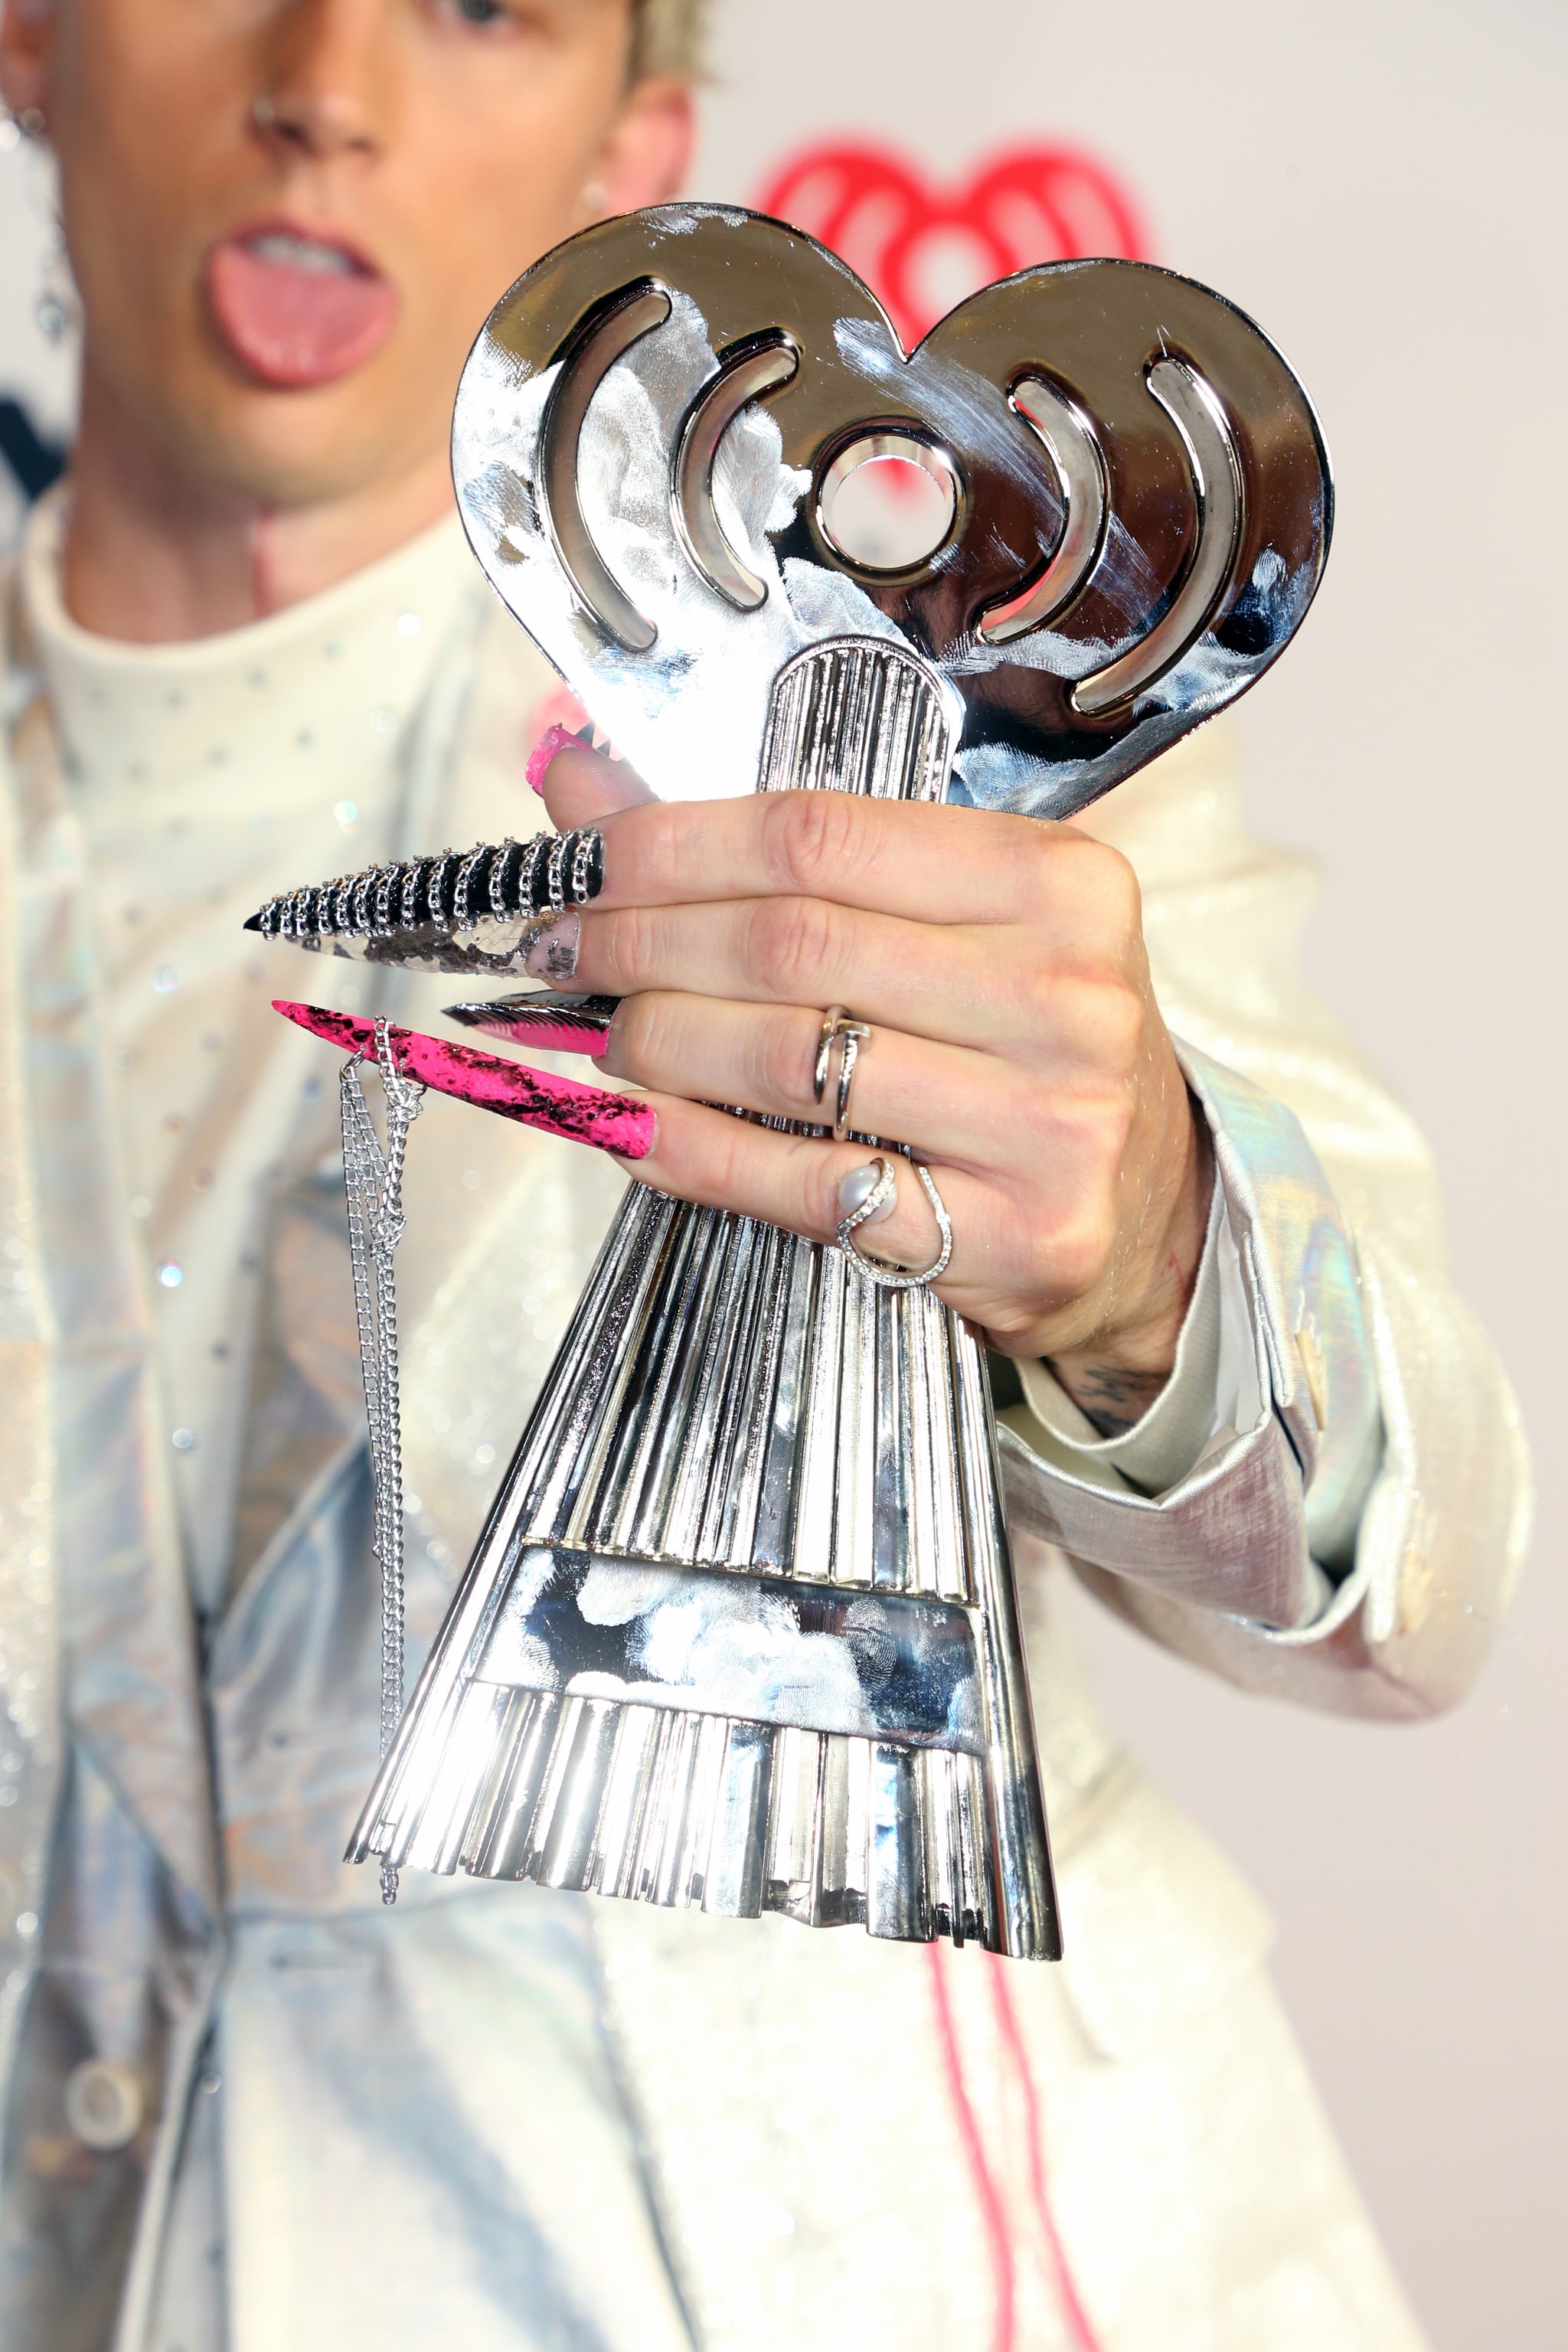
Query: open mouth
<point x="295" y="309"/>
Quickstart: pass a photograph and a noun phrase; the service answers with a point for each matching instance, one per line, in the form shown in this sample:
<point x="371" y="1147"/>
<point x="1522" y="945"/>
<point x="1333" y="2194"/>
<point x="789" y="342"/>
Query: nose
<point x="322" y="92"/>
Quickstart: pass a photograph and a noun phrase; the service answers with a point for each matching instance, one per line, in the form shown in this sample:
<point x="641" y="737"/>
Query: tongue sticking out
<point x="295" y="323"/>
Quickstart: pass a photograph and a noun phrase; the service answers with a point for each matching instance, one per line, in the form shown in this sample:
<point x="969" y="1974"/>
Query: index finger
<point x="926" y="863"/>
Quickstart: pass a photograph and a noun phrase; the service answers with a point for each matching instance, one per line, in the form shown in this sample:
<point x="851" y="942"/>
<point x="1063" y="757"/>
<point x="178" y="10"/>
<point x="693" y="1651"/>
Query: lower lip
<point x="296" y="328"/>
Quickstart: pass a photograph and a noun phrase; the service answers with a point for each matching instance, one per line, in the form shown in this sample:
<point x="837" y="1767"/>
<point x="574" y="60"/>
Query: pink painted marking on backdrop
<point x="883" y="215"/>
<point x="1078" y="2322"/>
<point x="993" y="2212"/>
<point x="554" y="738"/>
<point x="589" y="1115"/>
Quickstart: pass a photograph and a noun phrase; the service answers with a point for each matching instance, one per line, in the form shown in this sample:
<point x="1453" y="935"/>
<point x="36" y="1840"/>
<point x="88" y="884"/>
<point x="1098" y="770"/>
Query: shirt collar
<point x="291" y="700"/>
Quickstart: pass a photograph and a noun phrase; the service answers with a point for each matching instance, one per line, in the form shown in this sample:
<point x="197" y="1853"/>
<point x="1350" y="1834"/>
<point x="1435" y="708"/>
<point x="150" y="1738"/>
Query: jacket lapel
<point x="131" y="1688"/>
<point x="29" y="1668"/>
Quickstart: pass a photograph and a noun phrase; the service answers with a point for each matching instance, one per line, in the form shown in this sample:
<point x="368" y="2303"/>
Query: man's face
<point x="283" y="293"/>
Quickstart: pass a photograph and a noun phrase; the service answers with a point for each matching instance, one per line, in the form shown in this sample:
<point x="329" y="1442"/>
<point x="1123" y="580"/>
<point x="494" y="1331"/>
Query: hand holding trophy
<point x="741" y="1632"/>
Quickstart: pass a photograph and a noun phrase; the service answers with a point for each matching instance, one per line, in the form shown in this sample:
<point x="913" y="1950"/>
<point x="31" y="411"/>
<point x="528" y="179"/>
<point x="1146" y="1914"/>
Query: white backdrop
<point x="1376" y="181"/>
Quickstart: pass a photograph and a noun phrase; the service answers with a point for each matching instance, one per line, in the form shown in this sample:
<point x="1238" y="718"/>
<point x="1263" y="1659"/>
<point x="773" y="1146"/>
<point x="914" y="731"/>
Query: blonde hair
<point x="670" y="37"/>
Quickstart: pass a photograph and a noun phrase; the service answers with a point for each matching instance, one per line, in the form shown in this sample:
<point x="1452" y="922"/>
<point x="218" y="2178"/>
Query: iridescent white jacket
<point x="504" y="2118"/>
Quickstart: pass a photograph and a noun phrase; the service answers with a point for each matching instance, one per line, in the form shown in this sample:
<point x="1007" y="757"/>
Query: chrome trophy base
<point x="740" y="1633"/>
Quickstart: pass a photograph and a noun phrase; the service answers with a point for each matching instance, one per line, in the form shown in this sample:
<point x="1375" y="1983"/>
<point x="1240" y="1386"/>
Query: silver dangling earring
<point x="55" y="309"/>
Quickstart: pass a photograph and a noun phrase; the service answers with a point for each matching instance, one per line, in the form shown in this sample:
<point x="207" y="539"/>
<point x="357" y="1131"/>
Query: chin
<point x="306" y="448"/>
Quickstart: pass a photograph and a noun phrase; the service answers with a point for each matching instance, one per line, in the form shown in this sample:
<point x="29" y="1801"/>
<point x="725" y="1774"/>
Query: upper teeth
<point x="291" y="252"/>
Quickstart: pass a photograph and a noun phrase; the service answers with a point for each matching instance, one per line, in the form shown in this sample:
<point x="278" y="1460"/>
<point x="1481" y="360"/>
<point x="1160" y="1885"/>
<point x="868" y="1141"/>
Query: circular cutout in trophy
<point x="887" y="502"/>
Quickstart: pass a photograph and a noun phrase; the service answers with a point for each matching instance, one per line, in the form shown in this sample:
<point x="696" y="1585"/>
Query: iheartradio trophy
<point x="740" y="1633"/>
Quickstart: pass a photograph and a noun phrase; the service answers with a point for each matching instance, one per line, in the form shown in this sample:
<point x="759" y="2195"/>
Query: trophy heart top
<point x="1114" y="512"/>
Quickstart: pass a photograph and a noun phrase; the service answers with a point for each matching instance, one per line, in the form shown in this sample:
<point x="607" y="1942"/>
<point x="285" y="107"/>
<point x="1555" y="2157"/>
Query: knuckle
<point x="1104" y="882"/>
<point x="1120" y="895"/>
<point x="1036" y="997"/>
<point x="789" y="946"/>
<point x="782" y="1064"/>
<point x="1011" y="1322"/>
<point x="810" y="839"/>
<point x="1092" y="898"/>
<point x="644" y="1036"/>
<point x="662" y="844"/>
<point x="1034" y="1128"/>
<point x="727" y="1161"/>
<point x="1071" y="1227"/>
<point x="1079" y="1251"/>
<point x="1042" y="850"/>
<point x="1115" y="1019"/>
<point x="1102" y="1128"/>
<point x="1095" y="1020"/>
<point x="1057" y="1137"/>
<point x="1037" y="1265"/>
<point x="1118" y="1119"/>
<point x="632" y="1037"/>
<point x="627" y="941"/>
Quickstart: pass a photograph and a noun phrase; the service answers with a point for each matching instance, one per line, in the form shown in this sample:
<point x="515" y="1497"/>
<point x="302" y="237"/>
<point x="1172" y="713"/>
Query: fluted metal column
<point x="741" y="1632"/>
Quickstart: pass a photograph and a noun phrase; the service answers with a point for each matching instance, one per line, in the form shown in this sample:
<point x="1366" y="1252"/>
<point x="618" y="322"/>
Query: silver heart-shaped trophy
<point x="741" y="1632"/>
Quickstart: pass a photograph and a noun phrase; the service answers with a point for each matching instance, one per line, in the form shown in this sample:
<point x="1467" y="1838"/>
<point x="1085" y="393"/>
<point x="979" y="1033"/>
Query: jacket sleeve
<point x="1349" y="1534"/>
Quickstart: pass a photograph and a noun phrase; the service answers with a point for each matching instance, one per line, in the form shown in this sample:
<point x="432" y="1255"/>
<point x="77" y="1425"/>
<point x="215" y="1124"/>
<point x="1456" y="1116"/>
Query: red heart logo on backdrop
<point x="922" y="247"/>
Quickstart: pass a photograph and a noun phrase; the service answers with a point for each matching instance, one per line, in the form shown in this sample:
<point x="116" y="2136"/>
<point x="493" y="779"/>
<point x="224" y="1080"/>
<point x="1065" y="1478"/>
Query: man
<point x="246" y="2107"/>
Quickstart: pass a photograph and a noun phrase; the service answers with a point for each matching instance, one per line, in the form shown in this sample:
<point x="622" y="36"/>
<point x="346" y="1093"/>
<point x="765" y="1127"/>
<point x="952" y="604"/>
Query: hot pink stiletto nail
<point x="554" y="738"/>
<point x="617" y="1123"/>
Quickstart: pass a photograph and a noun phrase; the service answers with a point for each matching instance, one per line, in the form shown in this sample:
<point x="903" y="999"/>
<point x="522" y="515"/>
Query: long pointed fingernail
<point x="398" y="906"/>
<point x="553" y="739"/>
<point x="550" y="1020"/>
<point x="610" y="1122"/>
<point x="551" y="948"/>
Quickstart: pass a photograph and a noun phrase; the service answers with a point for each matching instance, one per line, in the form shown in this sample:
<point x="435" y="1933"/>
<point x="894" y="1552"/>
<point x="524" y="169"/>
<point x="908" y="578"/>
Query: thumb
<point x="579" y="786"/>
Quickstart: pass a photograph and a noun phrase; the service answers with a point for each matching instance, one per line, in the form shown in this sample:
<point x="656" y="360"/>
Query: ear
<point x="26" y="37"/>
<point x="646" y="158"/>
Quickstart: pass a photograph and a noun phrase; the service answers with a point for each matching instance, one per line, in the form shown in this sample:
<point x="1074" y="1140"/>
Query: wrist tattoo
<point x="1110" y="1397"/>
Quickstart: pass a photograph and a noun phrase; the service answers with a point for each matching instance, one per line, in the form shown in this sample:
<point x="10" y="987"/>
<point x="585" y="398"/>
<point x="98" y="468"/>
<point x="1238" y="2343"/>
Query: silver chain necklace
<point x="373" y="1180"/>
